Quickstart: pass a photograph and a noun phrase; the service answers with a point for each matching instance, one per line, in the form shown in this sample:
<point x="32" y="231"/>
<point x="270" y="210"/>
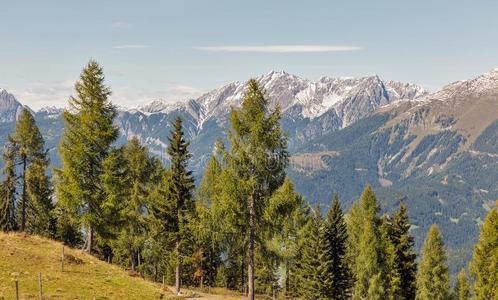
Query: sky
<point x="175" y="50"/>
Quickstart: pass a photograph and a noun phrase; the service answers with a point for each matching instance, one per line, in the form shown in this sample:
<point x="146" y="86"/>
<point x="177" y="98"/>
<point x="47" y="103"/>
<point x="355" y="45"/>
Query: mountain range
<point x="437" y="152"/>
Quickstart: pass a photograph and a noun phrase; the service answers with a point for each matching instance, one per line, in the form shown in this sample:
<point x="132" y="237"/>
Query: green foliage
<point x="432" y="276"/>
<point x="404" y="256"/>
<point x="484" y="264"/>
<point x="40" y="218"/>
<point x="335" y="269"/>
<point x="88" y="135"/>
<point x="8" y="220"/>
<point x="462" y="287"/>
<point x="307" y="280"/>
<point x="370" y="261"/>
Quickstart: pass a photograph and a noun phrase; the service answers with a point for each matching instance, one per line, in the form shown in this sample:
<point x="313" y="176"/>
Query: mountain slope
<point x="439" y="154"/>
<point x="24" y="256"/>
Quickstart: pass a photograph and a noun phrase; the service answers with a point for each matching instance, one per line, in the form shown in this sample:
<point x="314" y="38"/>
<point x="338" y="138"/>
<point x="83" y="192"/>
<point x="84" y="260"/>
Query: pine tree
<point x="404" y="256"/>
<point x="29" y="148"/>
<point x="309" y="282"/>
<point x="8" y="190"/>
<point x="335" y="266"/>
<point x="88" y="135"/>
<point x="258" y="158"/>
<point x="484" y="263"/>
<point x="432" y="276"/>
<point x="462" y="287"/>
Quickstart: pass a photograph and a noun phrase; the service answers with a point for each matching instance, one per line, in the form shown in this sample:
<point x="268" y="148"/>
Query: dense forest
<point x="244" y="227"/>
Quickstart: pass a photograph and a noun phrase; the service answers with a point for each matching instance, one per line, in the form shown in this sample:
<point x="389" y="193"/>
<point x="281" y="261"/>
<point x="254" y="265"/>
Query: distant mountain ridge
<point x="438" y="152"/>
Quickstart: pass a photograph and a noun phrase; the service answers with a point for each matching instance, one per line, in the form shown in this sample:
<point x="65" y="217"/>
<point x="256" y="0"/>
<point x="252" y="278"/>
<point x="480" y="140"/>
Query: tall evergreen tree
<point x="462" y="287"/>
<point x="8" y="190"/>
<point x="370" y="261"/>
<point x="136" y="185"/>
<point x="204" y="227"/>
<point x="39" y="218"/>
<point x="335" y="269"/>
<point x="258" y="158"/>
<point x="432" y="276"/>
<point x="286" y="213"/>
<point x="404" y="255"/>
<point x="484" y="263"/>
<point x="174" y="200"/>
<point x="88" y="135"/>
<point x="309" y="282"/>
<point x="29" y="148"/>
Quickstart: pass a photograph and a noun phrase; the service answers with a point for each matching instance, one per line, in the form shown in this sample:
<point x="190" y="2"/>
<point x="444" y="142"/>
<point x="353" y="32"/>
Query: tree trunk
<point x="89" y="239"/>
<point x="24" y="195"/>
<point x="250" y="271"/>
<point x="133" y="261"/>
<point x="287" y="277"/>
<point x="177" y="268"/>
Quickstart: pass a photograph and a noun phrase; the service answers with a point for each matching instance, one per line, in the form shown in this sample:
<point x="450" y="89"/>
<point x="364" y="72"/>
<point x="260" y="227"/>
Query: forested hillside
<point x="249" y="208"/>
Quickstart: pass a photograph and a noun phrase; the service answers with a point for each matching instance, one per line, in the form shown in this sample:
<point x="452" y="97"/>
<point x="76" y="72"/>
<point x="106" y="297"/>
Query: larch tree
<point x="39" y="218"/>
<point x="368" y="249"/>
<point x="138" y="179"/>
<point x="462" y="287"/>
<point x="484" y="263"/>
<point x="404" y="255"/>
<point x="286" y="213"/>
<point x="335" y="269"/>
<point x="87" y="140"/>
<point x="432" y="276"/>
<point x="258" y="158"/>
<point x="204" y="225"/>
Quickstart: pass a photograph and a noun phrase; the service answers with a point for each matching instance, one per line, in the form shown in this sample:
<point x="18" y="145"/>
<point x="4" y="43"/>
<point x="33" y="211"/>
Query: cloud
<point x="121" y="25"/>
<point x="281" y="48"/>
<point x="172" y="92"/>
<point x="41" y="94"/>
<point x="131" y="46"/>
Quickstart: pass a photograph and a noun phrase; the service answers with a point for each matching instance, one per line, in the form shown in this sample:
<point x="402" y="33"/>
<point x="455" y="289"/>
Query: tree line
<point x="244" y="227"/>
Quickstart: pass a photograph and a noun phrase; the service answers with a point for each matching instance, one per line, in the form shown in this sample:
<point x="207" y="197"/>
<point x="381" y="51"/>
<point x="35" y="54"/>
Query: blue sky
<point x="173" y="50"/>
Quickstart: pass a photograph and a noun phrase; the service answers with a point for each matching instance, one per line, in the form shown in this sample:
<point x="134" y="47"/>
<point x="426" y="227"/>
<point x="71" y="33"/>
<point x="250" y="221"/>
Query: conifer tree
<point x="309" y="281"/>
<point x="335" y="269"/>
<point x="484" y="263"/>
<point x="174" y="205"/>
<point x="432" y="275"/>
<point x="136" y="184"/>
<point x="287" y="213"/>
<point x="39" y="218"/>
<point x="462" y="287"/>
<point x="404" y="256"/>
<point x="29" y="148"/>
<point x="88" y="135"/>
<point x="8" y="190"/>
<point x="258" y="158"/>
<point x="371" y="259"/>
<point x="205" y="226"/>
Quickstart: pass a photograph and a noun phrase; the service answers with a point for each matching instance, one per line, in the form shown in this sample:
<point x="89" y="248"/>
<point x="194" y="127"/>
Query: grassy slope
<point x="28" y="255"/>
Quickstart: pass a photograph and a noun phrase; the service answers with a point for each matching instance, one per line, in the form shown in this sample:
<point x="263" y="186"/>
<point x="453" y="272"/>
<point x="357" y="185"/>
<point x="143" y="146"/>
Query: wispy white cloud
<point x="121" y="25"/>
<point x="41" y="94"/>
<point x="131" y="46"/>
<point x="172" y="92"/>
<point x="280" y="48"/>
